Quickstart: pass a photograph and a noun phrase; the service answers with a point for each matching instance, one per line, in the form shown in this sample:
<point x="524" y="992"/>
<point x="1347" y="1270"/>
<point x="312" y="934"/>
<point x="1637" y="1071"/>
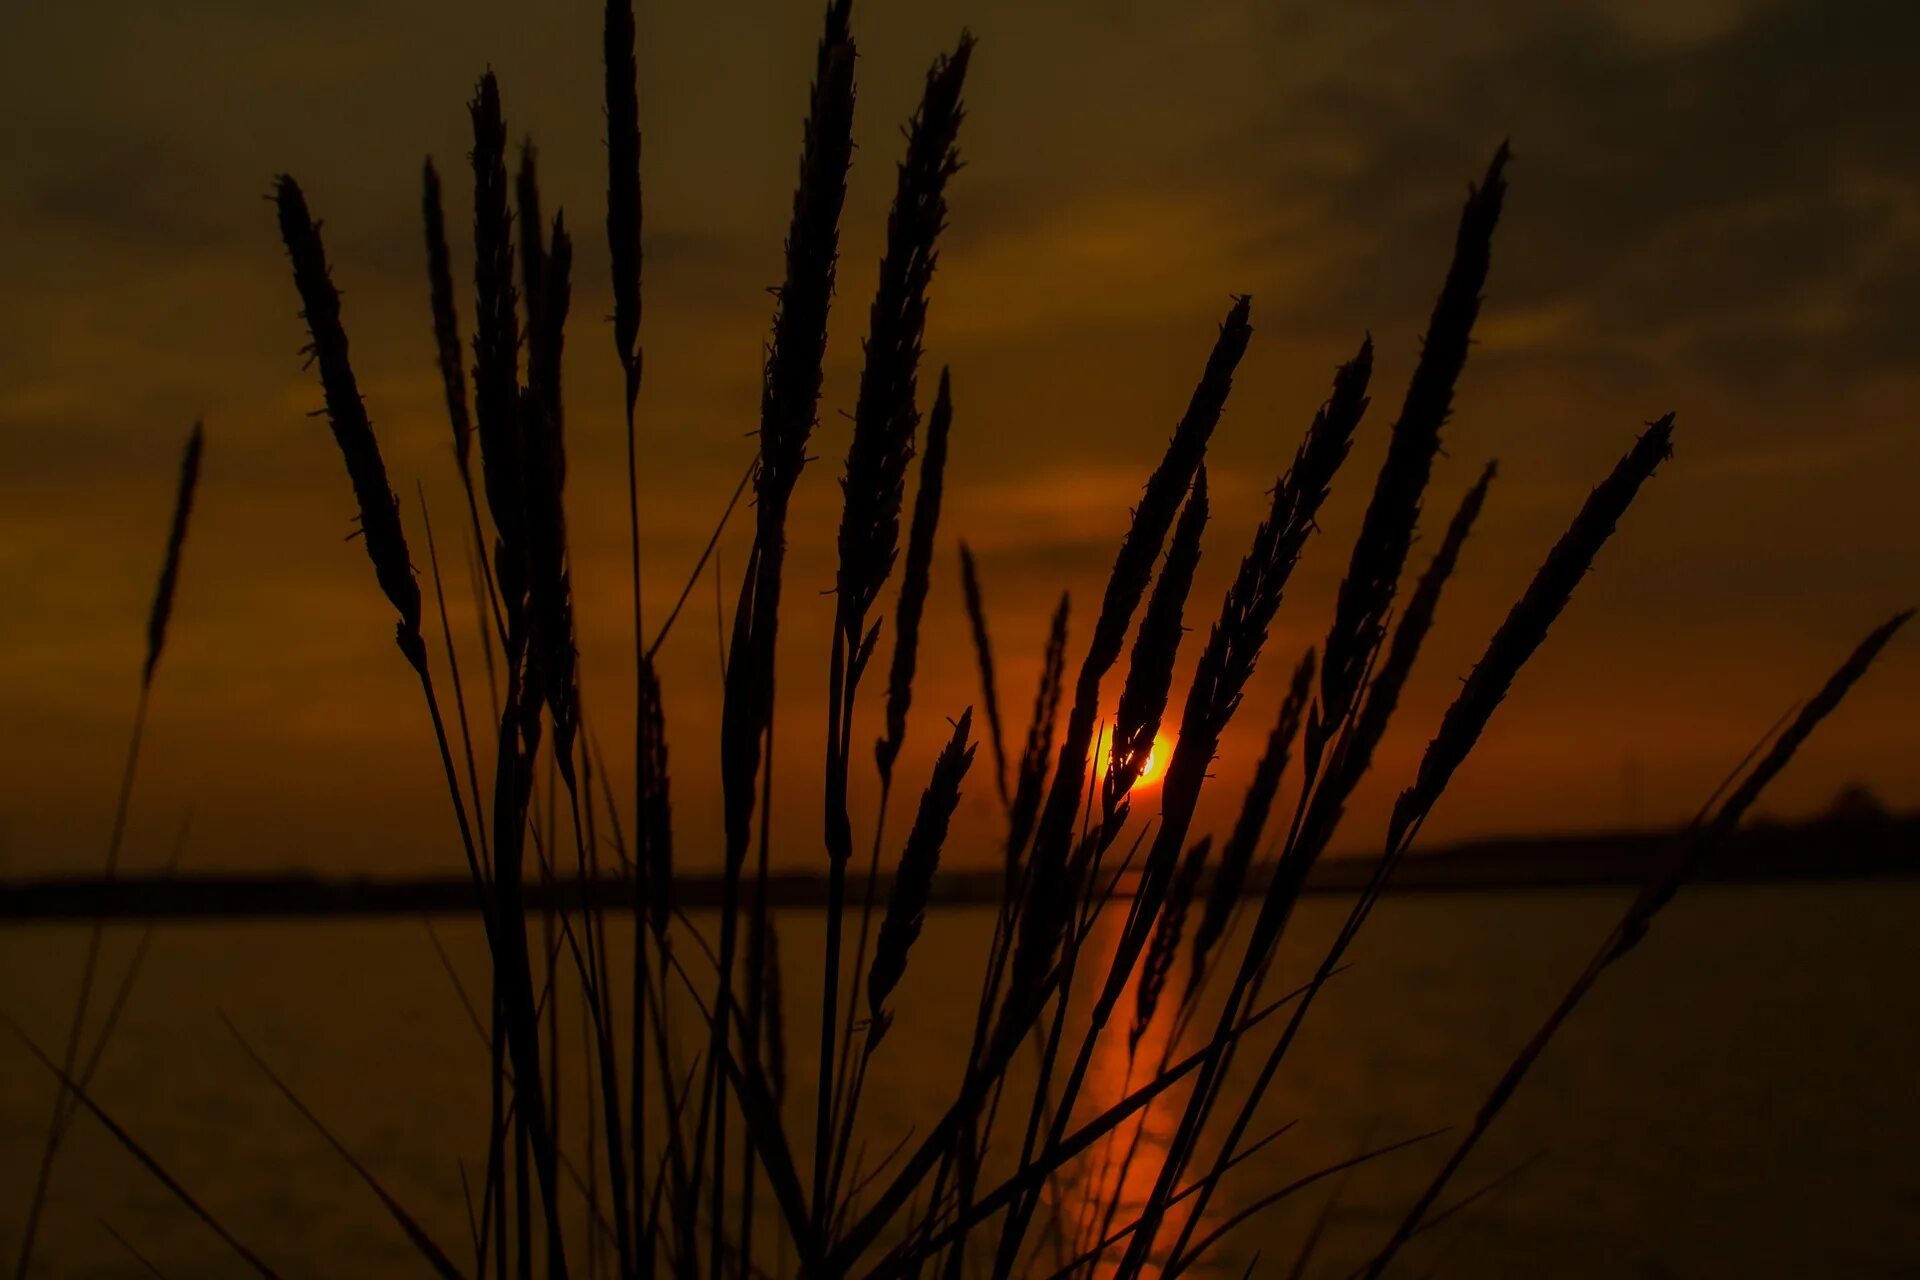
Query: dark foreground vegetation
<point x="700" y="1163"/>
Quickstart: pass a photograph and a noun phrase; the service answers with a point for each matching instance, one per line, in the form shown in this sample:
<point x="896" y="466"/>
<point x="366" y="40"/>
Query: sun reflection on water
<point x="1107" y="1190"/>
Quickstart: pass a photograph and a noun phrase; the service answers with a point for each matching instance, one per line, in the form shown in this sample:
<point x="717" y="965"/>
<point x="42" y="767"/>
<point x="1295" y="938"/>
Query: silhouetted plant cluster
<point x="692" y="1136"/>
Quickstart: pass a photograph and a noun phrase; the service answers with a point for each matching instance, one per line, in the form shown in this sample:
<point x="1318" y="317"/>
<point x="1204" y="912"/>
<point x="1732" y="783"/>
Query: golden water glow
<point x="1115" y="1181"/>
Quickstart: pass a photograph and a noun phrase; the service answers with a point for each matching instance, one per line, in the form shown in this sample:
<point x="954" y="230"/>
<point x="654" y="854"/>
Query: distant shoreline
<point x="1829" y="848"/>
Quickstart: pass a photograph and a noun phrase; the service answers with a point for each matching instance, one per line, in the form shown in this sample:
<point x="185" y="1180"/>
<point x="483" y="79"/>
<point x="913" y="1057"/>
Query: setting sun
<point x="1156" y="763"/>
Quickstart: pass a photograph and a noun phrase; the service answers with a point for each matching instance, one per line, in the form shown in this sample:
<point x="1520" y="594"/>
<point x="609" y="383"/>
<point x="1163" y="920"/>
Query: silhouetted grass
<point x="886" y="418"/>
<point x="1143" y="697"/>
<point x="788" y="410"/>
<point x="983" y="656"/>
<point x="913" y="881"/>
<point x="692" y="1136"/>
<point x="1167" y="931"/>
<point x="1659" y="891"/>
<point x="1051" y="893"/>
<point x="915" y="579"/>
<point x="1236" y="856"/>
<point x="158" y="616"/>
<point x="1513" y="643"/>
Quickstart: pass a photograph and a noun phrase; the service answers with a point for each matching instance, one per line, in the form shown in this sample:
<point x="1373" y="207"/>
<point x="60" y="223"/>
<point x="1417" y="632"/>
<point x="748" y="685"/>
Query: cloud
<point x="1741" y="201"/>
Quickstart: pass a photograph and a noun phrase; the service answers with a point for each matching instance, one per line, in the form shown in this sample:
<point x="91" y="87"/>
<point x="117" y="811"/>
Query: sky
<point x="1715" y="211"/>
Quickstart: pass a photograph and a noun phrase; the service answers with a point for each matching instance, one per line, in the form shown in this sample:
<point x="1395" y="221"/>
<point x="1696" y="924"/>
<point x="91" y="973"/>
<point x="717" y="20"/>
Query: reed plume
<point x="542" y="408"/>
<point x="914" y="579"/>
<point x="913" y="881"/>
<point x="549" y="579"/>
<point x="1236" y="855"/>
<point x="1525" y="627"/>
<point x="1031" y="775"/>
<point x="386" y="547"/>
<point x="983" y="656"/>
<point x="1383" y="692"/>
<point x="1321" y="813"/>
<point x="1165" y="488"/>
<point x="509" y="469"/>
<point x="885" y="420"/>
<point x="913" y="596"/>
<point x="1050" y="894"/>
<point x="1658" y="890"/>
<point x="885" y="417"/>
<point x="1238" y="636"/>
<point x="789" y="400"/>
<point x="385" y="541"/>
<point x="1353" y="751"/>
<point x="652" y="805"/>
<point x="1143" y="698"/>
<point x="1513" y="643"/>
<point x="1167" y="929"/>
<point x="446" y="321"/>
<point x="1226" y="664"/>
<point x="69" y="1095"/>
<point x="446" y="342"/>
<point x="1240" y="632"/>
<point x="790" y="392"/>
<point x="496" y="352"/>
<point x="1361" y="609"/>
<point x="533" y="253"/>
<point x="162" y="611"/>
<point x="1386" y="531"/>
<point x="1680" y="867"/>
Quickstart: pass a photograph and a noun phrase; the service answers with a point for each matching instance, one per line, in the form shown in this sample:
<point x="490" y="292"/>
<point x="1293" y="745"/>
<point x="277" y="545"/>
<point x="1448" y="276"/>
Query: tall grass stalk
<point x="158" y="616"/>
<point x="1513" y="643"/>
<point x="1361" y="608"/>
<point x="624" y="254"/>
<point x="788" y="411"/>
<point x="1050" y="892"/>
<point x="688" y="1161"/>
<point x="84" y="1100"/>
<point x="1225" y="665"/>
<point x="1655" y="894"/>
<point x="387" y="550"/>
<point x="886" y="419"/>
<point x="983" y="657"/>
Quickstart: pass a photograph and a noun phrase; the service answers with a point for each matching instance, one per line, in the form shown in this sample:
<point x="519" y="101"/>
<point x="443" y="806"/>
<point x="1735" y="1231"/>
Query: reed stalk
<point x="1658" y="890"/>
<point x="983" y="657"/>
<point x="1156" y="645"/>
<point x="789" y="406"/>
<point x="1366" y="593"/>
<point x="885" y="421"/>
<point x="1050" y="894"/>
<point x="1513" y="643"/>
<point x="1387" y="529"/>
<point x="1220" y="677"/>
<point x="158" y="616"/>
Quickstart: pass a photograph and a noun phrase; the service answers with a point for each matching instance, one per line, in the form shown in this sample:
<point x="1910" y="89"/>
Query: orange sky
<point x="1715" y="210"/>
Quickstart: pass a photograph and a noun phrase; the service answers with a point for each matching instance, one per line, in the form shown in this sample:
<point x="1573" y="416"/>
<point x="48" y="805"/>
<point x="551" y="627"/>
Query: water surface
<point x="1736" y="1099"/>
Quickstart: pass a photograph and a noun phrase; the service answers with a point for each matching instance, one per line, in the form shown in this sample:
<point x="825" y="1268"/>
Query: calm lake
<point x="1737" y="1098"/>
